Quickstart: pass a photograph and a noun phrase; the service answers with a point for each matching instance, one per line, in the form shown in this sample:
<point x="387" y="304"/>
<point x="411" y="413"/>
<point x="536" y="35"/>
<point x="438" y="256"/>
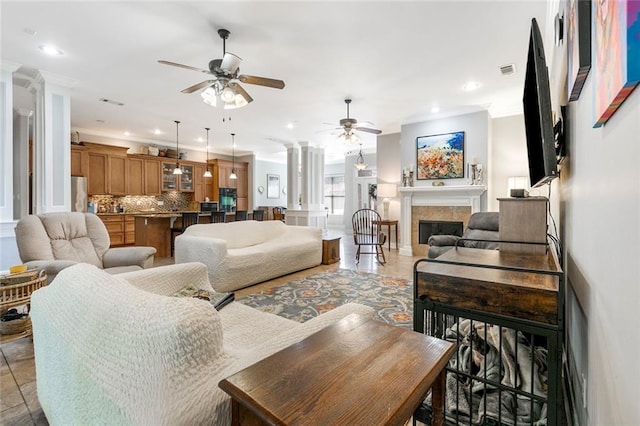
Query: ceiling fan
<point x="223" y="84"/>
<point x="349" y="125"/>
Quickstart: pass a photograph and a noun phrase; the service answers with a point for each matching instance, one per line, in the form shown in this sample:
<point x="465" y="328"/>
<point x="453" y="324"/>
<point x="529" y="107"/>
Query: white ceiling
<point x="396" y="60"/>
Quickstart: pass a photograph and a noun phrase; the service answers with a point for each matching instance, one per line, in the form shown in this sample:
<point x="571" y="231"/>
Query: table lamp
<point x="386" y="191"/>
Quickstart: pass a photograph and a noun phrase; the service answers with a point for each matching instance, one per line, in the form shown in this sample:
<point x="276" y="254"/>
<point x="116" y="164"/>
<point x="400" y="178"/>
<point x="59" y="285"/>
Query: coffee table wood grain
<point x="356" y="371"/>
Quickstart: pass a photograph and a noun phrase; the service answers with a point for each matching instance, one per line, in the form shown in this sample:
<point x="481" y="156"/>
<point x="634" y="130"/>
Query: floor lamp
<point x="386" y="191"/>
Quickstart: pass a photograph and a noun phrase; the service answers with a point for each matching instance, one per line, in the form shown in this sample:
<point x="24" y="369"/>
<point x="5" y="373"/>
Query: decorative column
<point x="21" y="162"/>
<point x="51" y="145"/>
<point x="293" y="181"/>
<point x="311" y="212"/>
<point x="6" y="140"/>
<point x="8" y="246"/>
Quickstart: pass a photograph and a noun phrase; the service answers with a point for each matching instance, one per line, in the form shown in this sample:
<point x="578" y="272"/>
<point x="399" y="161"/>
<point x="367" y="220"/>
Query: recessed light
<point x="157" y="132"/>
<point x="51" y="50"/>
<point x="435" y="109"/>
<point x="471" y="85"/>
<point x="200" y="139"/>
<point x="290" y="126"/>
<point x="127" y="133"/>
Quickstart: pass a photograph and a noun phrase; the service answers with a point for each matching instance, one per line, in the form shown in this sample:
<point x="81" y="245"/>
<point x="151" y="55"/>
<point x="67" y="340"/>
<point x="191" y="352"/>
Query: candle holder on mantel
<point x="407" y="178"/>
<point x="475" y="174"/>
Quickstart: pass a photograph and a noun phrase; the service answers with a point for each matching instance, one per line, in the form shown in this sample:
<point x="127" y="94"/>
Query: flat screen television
<point x="538" y="115"/>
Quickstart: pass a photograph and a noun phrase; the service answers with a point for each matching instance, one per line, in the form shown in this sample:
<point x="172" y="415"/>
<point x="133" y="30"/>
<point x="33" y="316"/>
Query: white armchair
<point x="54" y="241"/>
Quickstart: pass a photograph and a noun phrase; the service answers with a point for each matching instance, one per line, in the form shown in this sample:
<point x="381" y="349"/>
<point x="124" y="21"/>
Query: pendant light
<point x="233" y="174"/>
<point x="360" y="164"/>
<point x="177" y="170"/>
<point x="207" y="173"/>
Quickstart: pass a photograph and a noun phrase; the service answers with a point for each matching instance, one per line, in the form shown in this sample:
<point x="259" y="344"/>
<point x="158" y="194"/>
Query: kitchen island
<point x="154" y="229"/>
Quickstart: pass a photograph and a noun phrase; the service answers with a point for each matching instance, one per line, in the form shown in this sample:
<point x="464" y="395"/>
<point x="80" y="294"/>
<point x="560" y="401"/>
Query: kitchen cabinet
<point x="116" y="177"/>
<point x="136" y="181"/>
<point x="143" y="175"/>
<point x="97" y="173"/>
<point x="77" y="155"/>
<point x="221" y="169"/>
<point x="115" y="228"/>
<point x="183" y="182"/>
<point x="106" y="168"/>
<point x="152" y="177"/>
<point x="129" y="229"/>
<point x="199" y="182"/>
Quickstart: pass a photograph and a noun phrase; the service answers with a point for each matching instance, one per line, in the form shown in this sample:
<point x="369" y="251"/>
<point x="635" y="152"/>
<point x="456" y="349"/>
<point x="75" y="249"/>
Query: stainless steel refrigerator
<point x="79" y="197"/>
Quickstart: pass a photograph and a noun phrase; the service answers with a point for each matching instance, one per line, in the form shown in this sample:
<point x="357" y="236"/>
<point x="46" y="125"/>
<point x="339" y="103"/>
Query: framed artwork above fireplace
<point x="440" y="156"/>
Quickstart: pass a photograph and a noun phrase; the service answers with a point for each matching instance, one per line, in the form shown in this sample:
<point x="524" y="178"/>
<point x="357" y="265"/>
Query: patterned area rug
<point x="302" y="299"/>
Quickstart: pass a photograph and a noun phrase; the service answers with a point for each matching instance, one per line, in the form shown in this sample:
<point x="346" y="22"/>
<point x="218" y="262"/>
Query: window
<point x="334" y="193"/>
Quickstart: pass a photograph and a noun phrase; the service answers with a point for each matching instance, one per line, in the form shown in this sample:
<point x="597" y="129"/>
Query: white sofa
<point x="239" y="254"/>
<point x="114" y="349"/>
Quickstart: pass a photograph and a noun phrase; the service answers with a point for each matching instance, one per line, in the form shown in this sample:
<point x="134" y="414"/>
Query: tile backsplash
<point x="167" y="202"/>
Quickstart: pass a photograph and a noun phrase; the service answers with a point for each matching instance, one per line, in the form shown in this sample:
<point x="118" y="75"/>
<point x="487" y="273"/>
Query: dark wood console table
<point x="521" y="292"/>
<point x="358" y="371"/>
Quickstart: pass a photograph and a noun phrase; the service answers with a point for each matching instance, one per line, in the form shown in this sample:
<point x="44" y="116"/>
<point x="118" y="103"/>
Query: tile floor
<point x="18" y="399"/>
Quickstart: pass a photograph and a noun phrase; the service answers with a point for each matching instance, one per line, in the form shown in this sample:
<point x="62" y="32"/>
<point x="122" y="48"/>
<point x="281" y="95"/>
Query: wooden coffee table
<point x="356" y="371"/>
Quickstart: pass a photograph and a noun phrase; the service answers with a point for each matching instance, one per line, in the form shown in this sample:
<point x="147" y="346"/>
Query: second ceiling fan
<point x="349" y="124"/>
<point x="225" y="73"/>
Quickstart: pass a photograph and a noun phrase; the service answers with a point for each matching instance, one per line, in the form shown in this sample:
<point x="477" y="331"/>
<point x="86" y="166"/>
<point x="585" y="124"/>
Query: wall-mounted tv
<point x="538" y="115"/>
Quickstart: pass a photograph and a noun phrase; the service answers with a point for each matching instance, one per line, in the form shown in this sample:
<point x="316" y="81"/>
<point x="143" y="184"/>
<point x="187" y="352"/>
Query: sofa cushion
<point x="240" y="234"/>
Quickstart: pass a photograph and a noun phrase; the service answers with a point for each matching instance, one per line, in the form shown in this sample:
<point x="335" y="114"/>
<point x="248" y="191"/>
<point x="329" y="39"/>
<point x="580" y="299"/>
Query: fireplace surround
<point x="449" y="202"/>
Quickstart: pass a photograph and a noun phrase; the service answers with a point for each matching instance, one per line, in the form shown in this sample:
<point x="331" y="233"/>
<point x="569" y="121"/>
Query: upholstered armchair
<point x="54" y="241"/>
<point x="481" y="226"/>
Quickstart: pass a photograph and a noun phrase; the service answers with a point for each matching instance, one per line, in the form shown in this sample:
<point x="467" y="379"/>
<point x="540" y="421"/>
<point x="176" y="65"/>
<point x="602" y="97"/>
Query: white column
<point x="306" y="164"/>
<point x="6" y="142"/>
<point x="51" y="145"/>
<point x="21" y="163"/>
<point x="8" y="246"/>
<point x="405" y="231"/>
<point x="293" y="188"/>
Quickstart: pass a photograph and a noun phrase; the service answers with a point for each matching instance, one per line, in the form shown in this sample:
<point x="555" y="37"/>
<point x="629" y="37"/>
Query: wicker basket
<point x="15" y="326"/>
<point x="16" y="289"/>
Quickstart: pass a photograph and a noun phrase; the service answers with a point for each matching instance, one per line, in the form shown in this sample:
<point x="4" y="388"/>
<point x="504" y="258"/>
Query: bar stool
<point x="188" y="219"/>
<point x="241" y="215"/>
<point x="218" y="217"/>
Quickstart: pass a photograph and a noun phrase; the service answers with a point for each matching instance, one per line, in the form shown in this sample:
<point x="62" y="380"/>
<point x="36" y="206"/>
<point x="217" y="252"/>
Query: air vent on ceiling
<point x="109" y="101"/>
<point x="508" y="69"/>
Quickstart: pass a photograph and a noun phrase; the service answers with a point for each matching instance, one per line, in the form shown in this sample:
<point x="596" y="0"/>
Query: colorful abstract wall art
<point x="616" y="35"/>
<point x="440" y="156"/>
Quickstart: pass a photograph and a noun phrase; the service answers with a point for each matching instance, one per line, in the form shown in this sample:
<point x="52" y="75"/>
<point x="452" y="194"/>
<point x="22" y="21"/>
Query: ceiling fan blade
<point x="174" y="64"/>
<point x="261" y="81"/>
<point x="365" y="129"/>
<point x="198" y="86"/>
<point x="240" y="90"/>
<point x="230" y="63"/>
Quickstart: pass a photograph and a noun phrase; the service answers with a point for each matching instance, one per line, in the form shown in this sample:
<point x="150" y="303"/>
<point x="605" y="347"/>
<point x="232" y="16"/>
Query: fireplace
<point x="427" y="228"/>
<point x="436" y="203"/>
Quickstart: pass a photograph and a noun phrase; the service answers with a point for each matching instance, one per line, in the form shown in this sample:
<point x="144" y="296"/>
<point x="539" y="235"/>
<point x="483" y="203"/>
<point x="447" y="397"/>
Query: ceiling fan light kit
<point x="224" y="84"/>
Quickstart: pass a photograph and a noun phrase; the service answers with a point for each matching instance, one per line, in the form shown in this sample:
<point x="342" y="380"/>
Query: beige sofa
<point x="239" y="254"/>
<point x="114" y="349"/>
<point x="54" y="241"/>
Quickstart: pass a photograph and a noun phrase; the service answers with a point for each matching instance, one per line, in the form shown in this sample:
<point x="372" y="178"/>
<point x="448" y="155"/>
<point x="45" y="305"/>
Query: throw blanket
<point x="518" y="365"/>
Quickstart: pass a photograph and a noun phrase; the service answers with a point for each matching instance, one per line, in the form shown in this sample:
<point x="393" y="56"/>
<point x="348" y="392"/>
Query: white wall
<point x="476" y="138"/>
<point x="389" y="170"/>
<point x="350" y="185"/>
<point x="508" y="157"/>
<point x="262" y="168"/>
<point x="600" y="193"/>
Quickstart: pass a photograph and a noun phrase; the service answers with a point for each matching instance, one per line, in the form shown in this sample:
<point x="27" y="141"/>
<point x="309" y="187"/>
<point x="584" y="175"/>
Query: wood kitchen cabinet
<point x="77" y="156"/>
<point x="143" y="175"/>
<point x="121" y="228"/>
<point x="201" y="189"/>
<point x="221" y="169"/>
<point x="183" y="182"/>
<point x="116" y="177"/>
<point x="97" y="173"/>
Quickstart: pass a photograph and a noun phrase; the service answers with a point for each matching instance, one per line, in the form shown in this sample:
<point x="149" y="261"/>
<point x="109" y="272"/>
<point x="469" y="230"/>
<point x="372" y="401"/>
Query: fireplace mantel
<point x="451" y="195"/>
